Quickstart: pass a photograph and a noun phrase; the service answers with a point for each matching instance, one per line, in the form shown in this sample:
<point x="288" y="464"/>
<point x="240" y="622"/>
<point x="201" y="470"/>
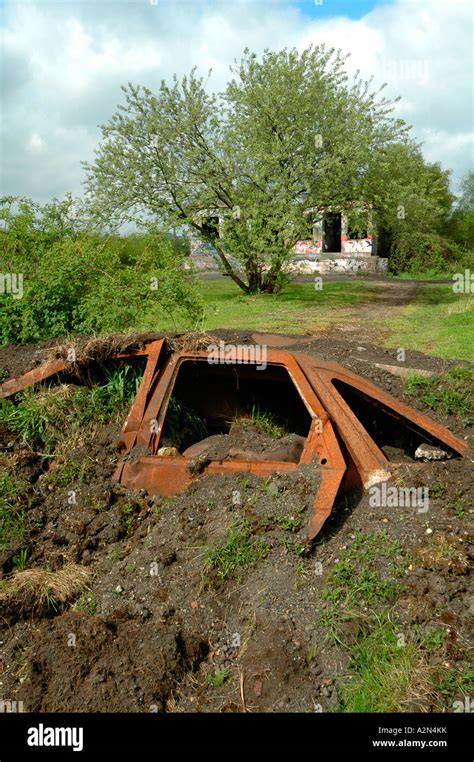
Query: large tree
<point x="411" y="204"/>
<point x="290" y="134"/>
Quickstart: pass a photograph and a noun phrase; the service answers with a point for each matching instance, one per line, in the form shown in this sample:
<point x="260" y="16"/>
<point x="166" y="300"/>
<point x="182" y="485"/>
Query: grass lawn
<point x="298" y="309"/>
<point x="437" y="321"/>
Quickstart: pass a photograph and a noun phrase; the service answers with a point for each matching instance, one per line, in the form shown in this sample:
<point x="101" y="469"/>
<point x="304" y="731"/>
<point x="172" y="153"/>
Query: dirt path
<point x="364" y="320"/>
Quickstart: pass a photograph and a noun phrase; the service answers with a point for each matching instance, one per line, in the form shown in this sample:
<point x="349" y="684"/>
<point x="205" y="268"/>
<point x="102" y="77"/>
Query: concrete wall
<point x="337" y="263"/>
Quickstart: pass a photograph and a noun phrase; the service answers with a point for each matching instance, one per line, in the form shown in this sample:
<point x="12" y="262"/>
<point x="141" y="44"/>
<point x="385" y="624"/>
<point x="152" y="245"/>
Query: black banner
<point x="85" y="736"/>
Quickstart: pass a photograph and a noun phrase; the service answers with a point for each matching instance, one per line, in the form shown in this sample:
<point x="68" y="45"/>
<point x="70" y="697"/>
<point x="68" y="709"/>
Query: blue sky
<point x="353" y="9"/>
<point x="64" y="61"/>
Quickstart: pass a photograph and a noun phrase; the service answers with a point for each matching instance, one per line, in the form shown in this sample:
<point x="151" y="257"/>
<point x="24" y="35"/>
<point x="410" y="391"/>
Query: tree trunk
<point x="255" y="280"/>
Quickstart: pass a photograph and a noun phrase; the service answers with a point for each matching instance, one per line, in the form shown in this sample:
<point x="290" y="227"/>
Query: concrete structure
<point x="334" y="243"/>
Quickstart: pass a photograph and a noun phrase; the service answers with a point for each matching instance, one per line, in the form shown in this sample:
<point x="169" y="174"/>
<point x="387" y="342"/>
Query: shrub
<point x="77" y="282"/>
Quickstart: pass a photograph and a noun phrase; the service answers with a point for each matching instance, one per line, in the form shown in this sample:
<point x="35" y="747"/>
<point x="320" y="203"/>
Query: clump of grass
<point x="41" y="590"/>
<point x="13" y="510"/>
<point x="127" y="517"/>
<point x="443" y="554"/>
<point x="69" y="471"/>
<point x="19" y="561"/>
<point x="355" y="583"/>
<point x="218" y="677"/>
<point x="87" y="603"/>
<point x="456" y="683"/>
<point x="239" y="550"/>
<point x="266" y="423"/>
<point x="389" y="674"/>
<point x="41" y="417"/>
<point x="459" y="502"/>
<point x="450" y="393"/>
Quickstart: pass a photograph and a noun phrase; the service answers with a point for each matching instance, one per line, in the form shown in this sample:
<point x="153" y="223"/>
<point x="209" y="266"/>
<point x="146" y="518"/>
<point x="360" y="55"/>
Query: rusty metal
<point x="337" y="442"/>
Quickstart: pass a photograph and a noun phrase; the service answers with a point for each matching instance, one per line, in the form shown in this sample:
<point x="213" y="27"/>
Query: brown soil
<point x="159" y="624"/>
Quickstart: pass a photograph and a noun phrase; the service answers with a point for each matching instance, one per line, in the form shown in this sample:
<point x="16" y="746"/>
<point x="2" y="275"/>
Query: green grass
<point x="297" y="309"/>
<point x="238" y="551"/>
<point x="127" y="518"/>
<point x="356" y="582"/>
<point x="87" y="603"/>
<point x="387" y="673"/>
<point x="437" y="321"/>
<point x="180" y="417"/>
<point x="13" y="510"/>
<point x="42" y="418"/>
<point x="422" y="275"/>
<point x="456" y="683"/>
<point x="450" y="393"/>
<point x="266" y="423"/>
<point x="19" y="561"/>
<point x="68" y="472"/>
<point x="218" y="677"/>
<point x="389" y="668"/>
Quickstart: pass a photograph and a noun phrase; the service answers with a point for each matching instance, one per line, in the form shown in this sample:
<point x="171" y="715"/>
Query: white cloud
<point x="35" y="143"/>
<point x="64" y="64"/>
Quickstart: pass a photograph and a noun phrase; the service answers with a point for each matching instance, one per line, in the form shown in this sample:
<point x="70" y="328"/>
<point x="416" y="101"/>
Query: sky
<point x="63" y="62"/>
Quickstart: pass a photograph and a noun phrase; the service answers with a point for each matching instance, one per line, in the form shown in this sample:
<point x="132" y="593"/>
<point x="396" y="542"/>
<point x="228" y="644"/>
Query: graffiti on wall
<point x="348" y="246"/>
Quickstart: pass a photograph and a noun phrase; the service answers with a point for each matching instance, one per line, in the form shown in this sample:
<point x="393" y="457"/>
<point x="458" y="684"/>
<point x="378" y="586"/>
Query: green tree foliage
<point x="411" y="202"/>
<point x="78" y="281"/>
<point x="291" y="133"/>
<point x="461" y="223"/>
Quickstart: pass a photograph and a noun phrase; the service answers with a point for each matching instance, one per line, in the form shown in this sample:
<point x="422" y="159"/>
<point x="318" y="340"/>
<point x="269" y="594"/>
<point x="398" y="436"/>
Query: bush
<point x="77" y="282"/>
<point x="421" y="251"/>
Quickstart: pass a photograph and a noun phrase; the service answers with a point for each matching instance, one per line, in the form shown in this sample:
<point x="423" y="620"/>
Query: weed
<point x="438" y="489"/>
<point x="450" y="393"/>
<point x="40" y="418"/>
<point x="288" y="523"/>
<point x="455" y="683"/>
<point x="459" y="503"/>
<point x="19" y="562"/>
<point x="388" y="674"/>
<point x="69" y="472"/>
<point x="429" y="638"/>
<point x="239" y="550"/>
<point x="354" y="584"/>
<point x="300" y="568"/>
<point x="127" y="518"/>
<point x="266" y="423"/>
<point x="87" y="603"/>
<point x="39" y="590"/>
<point x="218" y="677"/>
<point x="120" y="387"/>
<point x="13" y="511"/>
<point x="181" y="418"/>
<point x="311" y="653"/>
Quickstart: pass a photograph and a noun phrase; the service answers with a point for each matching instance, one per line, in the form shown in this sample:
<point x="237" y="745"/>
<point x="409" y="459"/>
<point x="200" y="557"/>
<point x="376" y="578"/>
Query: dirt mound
<point x="106" y="664"/>
<point x="17" y="359"/>
<point x="246" y="442"/>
